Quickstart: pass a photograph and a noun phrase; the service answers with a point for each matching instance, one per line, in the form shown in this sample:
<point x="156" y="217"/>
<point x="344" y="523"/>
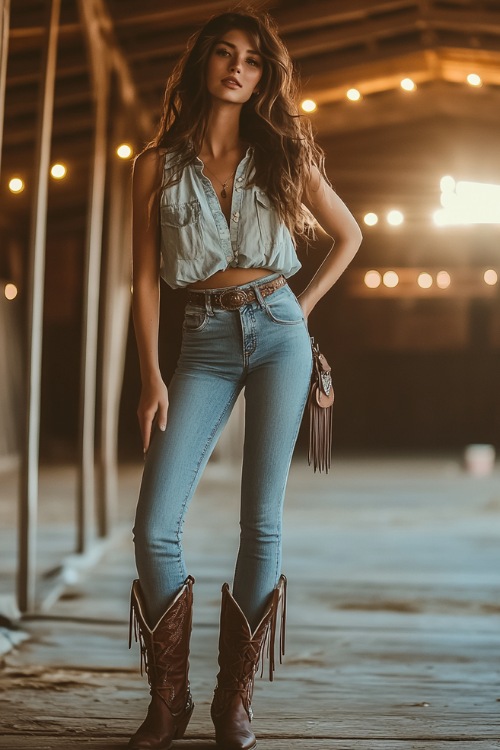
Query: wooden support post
<point x="4" y="48"/>
<point x="105" y="54"/>
<point x="99" y="64"/>
<point x="28" y="505"/>
<point x="116" y="312"/>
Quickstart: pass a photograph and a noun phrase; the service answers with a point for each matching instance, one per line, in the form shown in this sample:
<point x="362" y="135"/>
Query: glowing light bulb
<point x="447" y="184"/>
<point x="10" y="291"/>
<point x="490" y="277"/>
<point x="354" y="95"/>
<point x="372" y="279"/>
<point x="370" y="219"/>
<point x="408" y="85"/>
<point x="308" y="105"/>
<point x="16" y="185"/>
<point x="391" y="279"/>
<point x="58" y="171"/>
<point x="443" y="279"/>
<point x="124" y="151"/>
<point x="395" y="218"/>
<point x="424" y="280"/>
<point x="474" y="80"/>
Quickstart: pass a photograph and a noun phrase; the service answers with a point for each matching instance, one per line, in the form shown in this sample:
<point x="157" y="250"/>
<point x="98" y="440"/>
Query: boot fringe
<point x="278" y="602"/>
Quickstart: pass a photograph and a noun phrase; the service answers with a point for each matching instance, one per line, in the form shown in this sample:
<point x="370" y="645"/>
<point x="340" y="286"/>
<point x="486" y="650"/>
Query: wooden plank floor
<point x="393" y="638"/>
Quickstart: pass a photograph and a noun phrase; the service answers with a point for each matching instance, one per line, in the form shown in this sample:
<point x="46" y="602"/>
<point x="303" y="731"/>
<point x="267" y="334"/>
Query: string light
<point x="10" y="291"/>
<point x="395" y="218"/>
<point x="474" y="80"/>
<point x="354" y="95"/>
<point x="58" y="171"/>
<point x="124" y="151"/>
<point x="372" y="279"/>
<point x="391" y="279"/>
<point x="407" y="84"/>
<point x="447" y="184"/>
<point x="424" y="280"/>
<point x="370" y="219"/>
<point x="16" y="185"/>
<point x="490" y="277"/>
<point x="443" y="279"/>
<point x="308" y="105"/>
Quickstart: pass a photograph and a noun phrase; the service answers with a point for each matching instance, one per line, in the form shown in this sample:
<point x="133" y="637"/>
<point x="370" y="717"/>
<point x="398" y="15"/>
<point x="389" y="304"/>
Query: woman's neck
<point x="222" y="134"/>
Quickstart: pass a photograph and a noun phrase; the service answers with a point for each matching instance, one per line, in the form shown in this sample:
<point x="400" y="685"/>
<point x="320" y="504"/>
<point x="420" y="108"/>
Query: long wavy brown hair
<point x="284" y="146"/>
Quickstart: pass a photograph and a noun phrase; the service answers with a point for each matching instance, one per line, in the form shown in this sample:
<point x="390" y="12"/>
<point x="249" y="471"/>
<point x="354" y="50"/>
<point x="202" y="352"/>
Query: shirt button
<point x="236" y="216"/>
<point x="239" y="179"/>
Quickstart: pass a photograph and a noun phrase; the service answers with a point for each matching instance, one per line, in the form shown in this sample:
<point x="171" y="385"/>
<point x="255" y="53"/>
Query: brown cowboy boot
<point x="165" y="654"/>
<point x="240" y="651"/>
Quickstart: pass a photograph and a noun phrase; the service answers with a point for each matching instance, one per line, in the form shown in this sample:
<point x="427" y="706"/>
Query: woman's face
<point x="234" y="68"/>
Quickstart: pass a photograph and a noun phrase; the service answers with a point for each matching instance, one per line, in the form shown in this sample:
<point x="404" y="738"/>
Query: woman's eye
<point x="251" y="61"/>
<point x="222" y="52"/>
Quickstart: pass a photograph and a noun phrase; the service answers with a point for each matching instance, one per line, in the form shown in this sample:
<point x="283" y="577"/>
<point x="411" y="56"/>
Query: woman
<point x="217" y="197"/>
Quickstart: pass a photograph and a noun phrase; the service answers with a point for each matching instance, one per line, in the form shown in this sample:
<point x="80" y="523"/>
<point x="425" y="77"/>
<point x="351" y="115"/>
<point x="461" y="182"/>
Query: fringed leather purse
<point x="320" y="407"/>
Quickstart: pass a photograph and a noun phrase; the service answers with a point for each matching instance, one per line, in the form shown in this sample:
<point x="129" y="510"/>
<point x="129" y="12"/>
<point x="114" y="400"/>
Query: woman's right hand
<point x="153" y="404"/>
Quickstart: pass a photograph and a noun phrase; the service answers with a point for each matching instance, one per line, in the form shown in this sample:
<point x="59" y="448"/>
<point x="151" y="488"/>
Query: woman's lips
<point x="231" y="83"/>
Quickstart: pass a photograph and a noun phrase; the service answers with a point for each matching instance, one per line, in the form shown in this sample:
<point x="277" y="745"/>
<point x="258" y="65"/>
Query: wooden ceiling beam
<point x="330" y="82"/>
<point x="188" y="13"/>
<point x="334" y="38"/>
<point x="392" y="108"/>
<point x="327" y="13"/>
<point x="473" y="21"/>
<point x="289" y="20"/>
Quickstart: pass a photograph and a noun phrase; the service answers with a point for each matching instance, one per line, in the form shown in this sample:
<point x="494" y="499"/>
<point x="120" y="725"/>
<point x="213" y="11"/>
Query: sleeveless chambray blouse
<point x="196" y="240"/>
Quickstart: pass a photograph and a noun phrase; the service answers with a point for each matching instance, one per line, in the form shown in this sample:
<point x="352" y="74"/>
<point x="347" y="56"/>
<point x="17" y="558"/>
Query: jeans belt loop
<point x="258" y="295"/>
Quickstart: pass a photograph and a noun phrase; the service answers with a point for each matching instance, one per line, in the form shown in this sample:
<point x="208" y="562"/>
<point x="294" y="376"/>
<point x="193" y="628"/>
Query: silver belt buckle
<point x="235" y="299"/>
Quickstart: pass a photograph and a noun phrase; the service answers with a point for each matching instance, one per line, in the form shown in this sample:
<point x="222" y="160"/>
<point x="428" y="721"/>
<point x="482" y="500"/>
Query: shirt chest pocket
<point x="264" y="217"/>
<point x="180" y="214"/>
<point x="181" y="232"/>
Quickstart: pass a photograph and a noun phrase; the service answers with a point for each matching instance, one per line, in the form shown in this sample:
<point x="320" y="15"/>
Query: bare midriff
<point x="231" y="277"/>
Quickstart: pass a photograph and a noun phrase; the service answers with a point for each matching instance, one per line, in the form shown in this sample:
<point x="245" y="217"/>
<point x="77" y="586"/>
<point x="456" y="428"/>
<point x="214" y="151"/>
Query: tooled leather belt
<point x="235" y="297"/>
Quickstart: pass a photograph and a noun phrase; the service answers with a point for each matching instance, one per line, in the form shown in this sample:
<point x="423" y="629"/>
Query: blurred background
<point x="404" y="96"/>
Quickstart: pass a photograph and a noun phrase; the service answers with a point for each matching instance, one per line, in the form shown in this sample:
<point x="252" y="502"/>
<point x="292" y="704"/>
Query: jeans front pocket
<point x="195" y="319"/>
<point x="283" y="307"/>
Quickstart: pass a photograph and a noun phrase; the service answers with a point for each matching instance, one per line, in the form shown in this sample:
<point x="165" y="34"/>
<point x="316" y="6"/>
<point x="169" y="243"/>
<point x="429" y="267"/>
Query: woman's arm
<point x="338" y="222"/>
<point x="146" y="290"/>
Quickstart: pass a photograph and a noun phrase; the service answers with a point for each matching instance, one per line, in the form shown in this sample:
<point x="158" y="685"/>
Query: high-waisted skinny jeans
<point x="263" y="347"/>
